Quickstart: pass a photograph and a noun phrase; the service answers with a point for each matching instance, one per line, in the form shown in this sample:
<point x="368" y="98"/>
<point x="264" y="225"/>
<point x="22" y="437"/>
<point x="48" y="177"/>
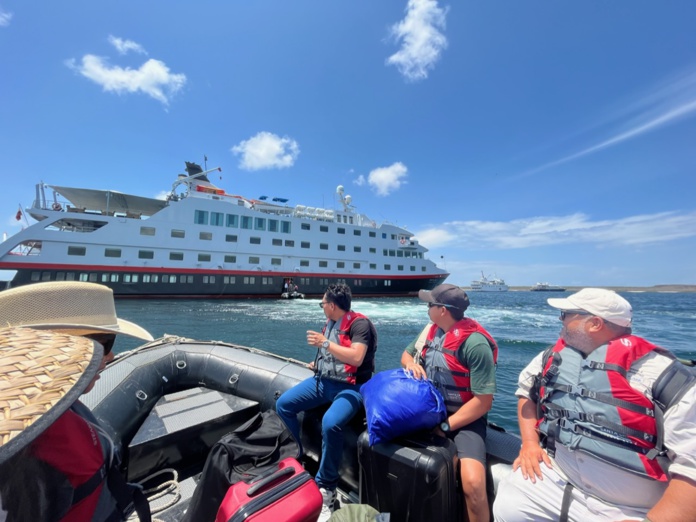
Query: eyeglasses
<point x="105" y="339"/>
<point x="324" y="303"/>
<point x="566" y="313"/>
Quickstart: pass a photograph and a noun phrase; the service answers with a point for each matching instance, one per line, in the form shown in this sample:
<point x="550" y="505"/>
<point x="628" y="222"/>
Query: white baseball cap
<point x="606" y="304"/>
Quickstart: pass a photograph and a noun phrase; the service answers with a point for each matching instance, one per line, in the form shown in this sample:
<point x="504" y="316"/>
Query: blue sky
<point x="541" y="140"/>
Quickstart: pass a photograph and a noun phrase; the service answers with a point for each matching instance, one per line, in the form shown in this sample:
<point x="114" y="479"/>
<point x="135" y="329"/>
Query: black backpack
<point x="241" y="455"/>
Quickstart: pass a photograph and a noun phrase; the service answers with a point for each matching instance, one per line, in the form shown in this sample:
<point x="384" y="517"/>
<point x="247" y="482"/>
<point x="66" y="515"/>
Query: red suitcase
<point x="287" y="493"/>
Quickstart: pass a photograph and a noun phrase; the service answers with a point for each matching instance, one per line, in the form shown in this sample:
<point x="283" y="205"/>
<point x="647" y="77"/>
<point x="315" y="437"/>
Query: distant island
<point x="654" y="288"/>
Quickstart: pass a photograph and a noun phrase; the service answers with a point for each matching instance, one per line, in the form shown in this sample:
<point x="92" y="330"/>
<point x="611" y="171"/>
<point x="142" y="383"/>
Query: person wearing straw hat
<point x="608" y="424"/>
<point x="74" y="446"/>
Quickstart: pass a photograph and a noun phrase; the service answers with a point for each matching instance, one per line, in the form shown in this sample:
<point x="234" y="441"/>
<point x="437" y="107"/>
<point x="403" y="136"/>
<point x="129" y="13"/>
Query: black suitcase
<point x="412" y="478"/>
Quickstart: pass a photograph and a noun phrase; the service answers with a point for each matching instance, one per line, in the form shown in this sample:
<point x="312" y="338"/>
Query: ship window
<point x="373" y="250"/>
<point x="146" y="254"/>
<point x="188" y="279"/>
<point x="273" y="225"/>
<point x="165" y="278"/>
<point x="341" y="248"/>
<point x="275" y="261"/>
<point x="146" y="278"/>
<point x="393" y="236"/>
<point x="230" y="259"/>
<point x="340" y="264"/>
<point x="255" y="240"/>
<point x="323" y="228"/>
<point x="384" y="252"/>
<point x="387" y="267"/>
<point x="254" y="260"/>
<point x="387" y="282"/>
<point x="230" y="238"/>
<point x="155" y="278"/>
<point x="304" y="244"/>
<point x="178" y="233"/>
<point x="260" y="224"/>
<point x="373" y="266"/>
<point x="266" y="280"/>
<point x="229" y="280"/>
<point x="289" y="243"/>
<point x="305" y="226"/>
<point x="357" y="232"/>
<point x="246" y="222"/>
<point x="69" y="276"/>
<point x="356" y="265"/>
<point x="84" y="277"/>
<point x="384" y="235"/>
<point x="172" y="279"/>
<point x="114" y="278"/>
<point x="341" y="230"/>
<point x="400" y="268"/>
<point x="216" y="219"/>
<point x="126" y="278"/>
<point x="413" y="268"/>
<point x="204" y="257"/>
<point x="399" y="253"/>
<point x="176" y="256"/>
<point x="200" y="217"/>
<point x="372" y="234"/>
<point x="285" y="227"/>
<point x="277" y="242"/>
<point x="323" y="246"/>
<point x="60" y="276"/>
<point x="249" y="280"/>
<point x="392" y="253"/>
<point x="323" y="264"/>
<point x="45" y="276"/>
<point x="206" y="279"/>
<point x="205" y="236"/>
<point x="112" y="252"/>
<point x="232" y="220"/>
<point x="422" y="269"/>
<point x="134" y="278"/>
<point x="304" y="262"/>
<point x="147" y="231"/>
<point x="357" y="249"/>
<point x="76" y="251"/>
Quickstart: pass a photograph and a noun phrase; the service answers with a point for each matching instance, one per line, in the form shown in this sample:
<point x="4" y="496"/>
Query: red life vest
<point x="330" y="367"/>
<point x="585" y="402"/>
<point x="442" y="366"/>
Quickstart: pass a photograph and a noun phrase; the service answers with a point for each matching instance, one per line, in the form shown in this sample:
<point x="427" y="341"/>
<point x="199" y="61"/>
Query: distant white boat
<point x="494" y="284"/>
<point x="546" y="287"/>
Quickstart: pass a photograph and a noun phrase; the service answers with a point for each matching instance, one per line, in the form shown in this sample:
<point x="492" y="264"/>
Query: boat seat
<point x="182" y="427"/>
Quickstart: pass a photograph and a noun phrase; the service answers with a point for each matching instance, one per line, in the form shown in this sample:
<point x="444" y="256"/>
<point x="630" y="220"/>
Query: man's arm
<point x="409" y="363"/>
<point x="531" y="453"/>
<point x="473" y="410"/>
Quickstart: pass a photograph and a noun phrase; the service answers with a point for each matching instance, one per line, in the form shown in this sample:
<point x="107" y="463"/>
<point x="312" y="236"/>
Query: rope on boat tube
<point x="168" y="487"/>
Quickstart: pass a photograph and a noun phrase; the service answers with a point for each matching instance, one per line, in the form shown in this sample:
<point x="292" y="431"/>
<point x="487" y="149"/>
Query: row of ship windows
<point x="218" y="219"/>
<point x="229" y="258"/>
<point x="178" y="278"/>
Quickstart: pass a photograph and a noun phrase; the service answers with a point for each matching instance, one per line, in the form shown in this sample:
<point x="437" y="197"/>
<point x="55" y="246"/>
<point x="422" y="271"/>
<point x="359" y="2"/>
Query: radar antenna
<point x="344" y="198"/>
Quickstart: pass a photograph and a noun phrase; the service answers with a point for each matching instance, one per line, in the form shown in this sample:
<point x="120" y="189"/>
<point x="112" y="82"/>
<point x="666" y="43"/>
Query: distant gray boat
<point x="546" y="287"/>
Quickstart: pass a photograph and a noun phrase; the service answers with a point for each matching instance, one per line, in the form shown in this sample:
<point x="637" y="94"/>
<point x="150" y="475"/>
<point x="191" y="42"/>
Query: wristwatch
<point x="444" y="426"/>
<point x="325" y="344"/>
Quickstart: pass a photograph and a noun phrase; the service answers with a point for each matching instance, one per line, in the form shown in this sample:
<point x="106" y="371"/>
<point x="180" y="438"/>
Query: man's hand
<point x="315" y="338"/>
<point x="529" y="459"/>
<point x="416" y="370"/>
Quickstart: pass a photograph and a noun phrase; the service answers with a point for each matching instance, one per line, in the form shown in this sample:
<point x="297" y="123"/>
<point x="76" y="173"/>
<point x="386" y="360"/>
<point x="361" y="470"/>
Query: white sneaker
<point x="328" y="499"/>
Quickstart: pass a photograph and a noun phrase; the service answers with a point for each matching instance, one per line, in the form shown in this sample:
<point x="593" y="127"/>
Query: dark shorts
<point x="471" y="441"/>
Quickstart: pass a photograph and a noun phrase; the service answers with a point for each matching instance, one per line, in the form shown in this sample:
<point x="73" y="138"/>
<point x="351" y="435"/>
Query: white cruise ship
<point x="485" y="284"/>
<point x="204" y="242"/>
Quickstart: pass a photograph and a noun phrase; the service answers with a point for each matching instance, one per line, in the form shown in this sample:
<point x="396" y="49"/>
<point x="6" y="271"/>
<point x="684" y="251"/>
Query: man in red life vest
<point x="459" y="357"/>
<point x="344" y="360"/>
<point x="75" y="453"/>
<point x="608" y="424"/>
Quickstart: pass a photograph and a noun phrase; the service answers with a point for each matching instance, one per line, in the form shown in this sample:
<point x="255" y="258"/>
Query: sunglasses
<point x="324" y="303"/>
<point x="566" y="313"/>
<point x="105" y="339"/>
<point x="430" y="305"/>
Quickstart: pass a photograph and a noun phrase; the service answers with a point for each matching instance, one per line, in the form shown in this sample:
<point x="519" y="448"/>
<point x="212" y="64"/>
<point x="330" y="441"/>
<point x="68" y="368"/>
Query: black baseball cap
<point x="446" y="294"/>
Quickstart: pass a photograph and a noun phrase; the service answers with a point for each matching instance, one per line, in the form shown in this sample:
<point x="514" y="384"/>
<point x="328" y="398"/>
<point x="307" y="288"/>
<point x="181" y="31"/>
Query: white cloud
<point x="558" y="230"/>
<point x="152" y="78"/>
<point x="266" y="151"/>
<point x="5" y="18"/>
<point x="386" y="180"/>
<point x="360" y="180"/>
<point x="125" y="46"/>
<point x="422" y="41"/>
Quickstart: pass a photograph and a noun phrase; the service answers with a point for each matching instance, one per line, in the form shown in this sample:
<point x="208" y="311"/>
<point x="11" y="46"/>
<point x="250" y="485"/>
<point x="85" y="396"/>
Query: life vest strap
<point x="567" y="416"/>
<point x="605" y="366"/>
<point x="605" y="398"/>
<point x="87" y="488"/>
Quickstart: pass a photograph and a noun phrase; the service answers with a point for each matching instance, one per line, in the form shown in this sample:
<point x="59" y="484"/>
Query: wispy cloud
<point x="665" y="104"/>
<point x="152" y="78"/>
<point x="385" y="180"/>
<point x="421" y="38"/>
<point x="360" y="180"/>
<point x="558" y="230"/>
<point x="5" y="18"/>
<point x="126" y="46"/>
<point x="266" y="151"/>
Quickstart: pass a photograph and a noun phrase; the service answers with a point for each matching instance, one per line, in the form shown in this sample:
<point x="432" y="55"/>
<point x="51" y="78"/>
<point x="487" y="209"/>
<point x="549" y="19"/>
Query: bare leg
<point x="473" y="476"/>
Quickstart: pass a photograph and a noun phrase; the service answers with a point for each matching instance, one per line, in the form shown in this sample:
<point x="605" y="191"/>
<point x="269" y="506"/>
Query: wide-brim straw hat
<point x="42" y="373"/>
<point x="74" y="307"/>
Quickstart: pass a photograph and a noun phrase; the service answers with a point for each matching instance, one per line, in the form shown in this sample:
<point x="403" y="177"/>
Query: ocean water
<point x="521" y="322"/>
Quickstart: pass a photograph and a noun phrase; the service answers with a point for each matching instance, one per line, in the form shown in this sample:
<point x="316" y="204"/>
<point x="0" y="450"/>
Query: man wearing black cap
<point x="459" y="357"/>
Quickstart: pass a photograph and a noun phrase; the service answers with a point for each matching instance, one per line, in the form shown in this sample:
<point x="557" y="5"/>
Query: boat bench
<point x="182" y="427"/>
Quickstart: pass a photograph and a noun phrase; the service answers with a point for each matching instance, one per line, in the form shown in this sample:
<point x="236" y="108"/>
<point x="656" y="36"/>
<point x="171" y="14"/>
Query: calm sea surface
<point x="521" y="322"/>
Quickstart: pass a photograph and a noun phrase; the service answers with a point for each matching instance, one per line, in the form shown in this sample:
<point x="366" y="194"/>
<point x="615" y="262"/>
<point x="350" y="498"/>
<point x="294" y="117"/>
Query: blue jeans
<point x="345" y="401"/>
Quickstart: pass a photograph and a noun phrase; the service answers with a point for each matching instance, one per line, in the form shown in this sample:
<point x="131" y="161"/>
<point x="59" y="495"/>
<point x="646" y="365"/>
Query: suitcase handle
<point x="281" y="473"/>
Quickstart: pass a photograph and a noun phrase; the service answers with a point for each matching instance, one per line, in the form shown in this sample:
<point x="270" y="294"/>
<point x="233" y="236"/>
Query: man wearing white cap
<point x="77" y="457"/>
<point x="608" y="424"/>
